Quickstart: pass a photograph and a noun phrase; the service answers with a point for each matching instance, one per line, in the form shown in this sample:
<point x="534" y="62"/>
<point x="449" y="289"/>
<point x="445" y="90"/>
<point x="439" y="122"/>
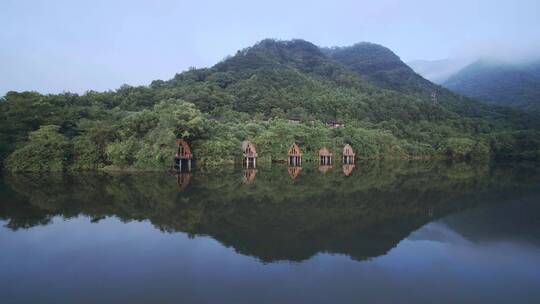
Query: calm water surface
<point x="377" y="233"/>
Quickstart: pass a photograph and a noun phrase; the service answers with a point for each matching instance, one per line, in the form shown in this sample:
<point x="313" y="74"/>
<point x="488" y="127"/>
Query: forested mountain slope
<point x="499" y="83"/>
<point x="380" y="66"/>
<point x="388" y="111"/>
<point x="298" y="78"/>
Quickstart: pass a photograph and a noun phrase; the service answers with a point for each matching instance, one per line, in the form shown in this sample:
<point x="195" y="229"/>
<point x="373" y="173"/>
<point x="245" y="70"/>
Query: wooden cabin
<point x="250" y="154"/>
<point x="348" y="169"/>
<point x="325" y="157"/>
<point x="183" y="156"/>
<point x="249" y="176"/>
<point x="294" y="155"/>
<point x="348" y="154"/>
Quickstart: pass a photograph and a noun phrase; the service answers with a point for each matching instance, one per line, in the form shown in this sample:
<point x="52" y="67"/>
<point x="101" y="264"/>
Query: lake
<point x="384" y="232"/>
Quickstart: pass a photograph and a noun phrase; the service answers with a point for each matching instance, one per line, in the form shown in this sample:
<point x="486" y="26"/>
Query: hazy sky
<point x="55" y="46"/>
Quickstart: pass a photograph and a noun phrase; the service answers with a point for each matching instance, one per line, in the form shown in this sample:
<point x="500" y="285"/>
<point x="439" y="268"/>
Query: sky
<point x="55" y="46"/>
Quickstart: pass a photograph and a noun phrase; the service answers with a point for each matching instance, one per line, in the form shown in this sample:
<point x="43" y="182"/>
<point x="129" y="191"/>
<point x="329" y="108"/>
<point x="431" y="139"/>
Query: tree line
<point x="254" y="95"/>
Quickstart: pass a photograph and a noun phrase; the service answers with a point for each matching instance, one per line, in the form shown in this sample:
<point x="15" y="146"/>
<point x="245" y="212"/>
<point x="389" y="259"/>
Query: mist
<point x="500" y="52"/>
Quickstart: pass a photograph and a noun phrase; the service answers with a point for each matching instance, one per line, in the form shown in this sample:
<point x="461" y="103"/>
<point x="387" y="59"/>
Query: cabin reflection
<point x="348" y="169"/>
<point x="324" y="168"/>
<point x="369" y="216"/>
<point x="183" y="180"/>
<point x="249" y="176"/>
<point x="294" y="172"/>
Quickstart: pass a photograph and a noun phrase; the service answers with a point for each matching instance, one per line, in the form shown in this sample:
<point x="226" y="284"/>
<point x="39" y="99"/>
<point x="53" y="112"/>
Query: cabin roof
<point x="348" y="150"/>
<point x="186" y="151"/>
<point x="324" y="152"/>
<point x="295" y="150"/>
<point x="248" y="144"/>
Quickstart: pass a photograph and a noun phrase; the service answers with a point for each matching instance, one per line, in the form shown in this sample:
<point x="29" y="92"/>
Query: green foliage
<point x="464" y="149"/>
<point x="122" y="153"/>
<point x="516" y="144"/>
<point x="46" y="150"/>
<point x="86" y="154"/>
<point x="146" y="139"/>
<point x="156" y="149"/>
<point x="499" y="83"/>
<point x="183" y="118"/>
<point x="274" y="93"/>
<point x="381" y="67"/>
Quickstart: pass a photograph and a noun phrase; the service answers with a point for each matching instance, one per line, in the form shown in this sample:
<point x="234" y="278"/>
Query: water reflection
<point x="360" y="215"/>
<point x="294" y="171"/>
<point x="348" y="169"/>
<point x="183" y="179"/>
<point x="325" y="168"/>
<point x="249" y="176"/>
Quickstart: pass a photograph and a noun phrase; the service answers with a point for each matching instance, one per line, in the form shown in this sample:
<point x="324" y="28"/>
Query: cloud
<point x="516" y="53"/>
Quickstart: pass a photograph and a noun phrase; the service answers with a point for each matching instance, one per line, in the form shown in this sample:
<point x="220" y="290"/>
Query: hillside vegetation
<point x="499" y="83"/>
<point x="274" y="93"/>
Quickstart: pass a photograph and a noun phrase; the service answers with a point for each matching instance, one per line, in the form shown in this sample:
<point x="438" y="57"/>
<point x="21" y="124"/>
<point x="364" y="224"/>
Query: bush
<point x="46" y="150"/>
<point x="86" y="154"/>
<point x="122" y="154"/>
<point x="464" y="149"/>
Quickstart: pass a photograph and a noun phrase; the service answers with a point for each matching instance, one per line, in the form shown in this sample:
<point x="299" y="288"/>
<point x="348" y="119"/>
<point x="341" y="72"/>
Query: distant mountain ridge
<point x="380" y="66"/>
<point x="367" y="80"/>
<point x="498" y="83"/>
<point x="492" y="81"/>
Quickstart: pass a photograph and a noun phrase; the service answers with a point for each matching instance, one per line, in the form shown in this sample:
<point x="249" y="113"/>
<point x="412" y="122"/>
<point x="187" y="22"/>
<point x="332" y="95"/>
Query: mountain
<point x="274" y="93"/>
<point x="438" y="71"/>
<point x="499" y="83"/>
<point x="490" y="81"/>
<point x="380" y="66"/>
<point x="362" y="82"/>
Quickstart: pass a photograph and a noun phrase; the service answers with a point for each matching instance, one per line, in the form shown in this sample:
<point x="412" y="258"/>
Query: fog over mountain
<point x="500" y="80"/>
<point x="438" y="71"/>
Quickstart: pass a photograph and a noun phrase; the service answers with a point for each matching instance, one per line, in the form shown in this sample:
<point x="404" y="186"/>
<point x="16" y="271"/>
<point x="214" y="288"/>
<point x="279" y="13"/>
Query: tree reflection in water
<point x="275" y="218"/>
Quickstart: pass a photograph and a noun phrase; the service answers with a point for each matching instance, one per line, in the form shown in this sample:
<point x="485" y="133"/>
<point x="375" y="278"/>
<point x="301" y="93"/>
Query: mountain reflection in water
<point x="274" y="214"/>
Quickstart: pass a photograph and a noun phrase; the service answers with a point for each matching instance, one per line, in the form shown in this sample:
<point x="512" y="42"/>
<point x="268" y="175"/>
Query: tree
<point x="46" y="150"/>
